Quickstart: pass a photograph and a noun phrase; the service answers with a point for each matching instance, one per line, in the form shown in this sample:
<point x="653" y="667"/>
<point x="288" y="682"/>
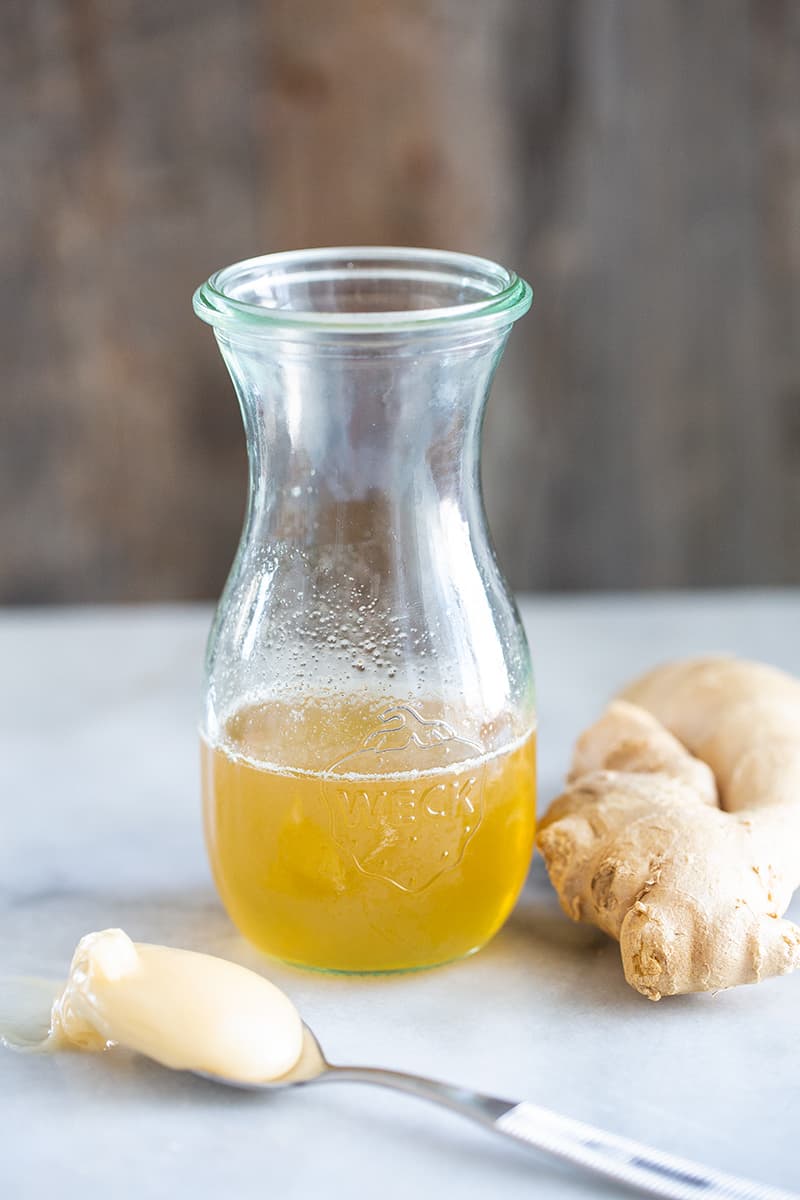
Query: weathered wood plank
<point x="638" y="161"/>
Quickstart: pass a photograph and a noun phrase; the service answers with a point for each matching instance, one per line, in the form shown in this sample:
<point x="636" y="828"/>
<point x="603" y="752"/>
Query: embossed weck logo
<point x="405" y="804"/>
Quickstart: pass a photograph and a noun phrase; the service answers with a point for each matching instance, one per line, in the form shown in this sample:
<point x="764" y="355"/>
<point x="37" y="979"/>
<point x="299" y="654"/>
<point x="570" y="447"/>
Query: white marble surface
<point x="98" y="778"/>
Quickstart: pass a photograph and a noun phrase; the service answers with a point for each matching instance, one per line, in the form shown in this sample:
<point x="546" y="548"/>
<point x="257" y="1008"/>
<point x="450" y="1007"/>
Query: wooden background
<point x="637" y="160"/>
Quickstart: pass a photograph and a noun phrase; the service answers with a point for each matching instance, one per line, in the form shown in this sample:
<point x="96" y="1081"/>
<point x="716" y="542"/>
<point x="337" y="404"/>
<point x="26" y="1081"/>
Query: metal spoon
<point x="618" y="1158"/>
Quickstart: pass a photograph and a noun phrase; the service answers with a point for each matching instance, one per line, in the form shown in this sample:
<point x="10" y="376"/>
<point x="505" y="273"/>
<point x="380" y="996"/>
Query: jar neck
<point x="356" y="441"/>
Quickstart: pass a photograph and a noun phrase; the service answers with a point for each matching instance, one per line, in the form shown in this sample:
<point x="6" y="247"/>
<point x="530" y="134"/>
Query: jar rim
<point x="502" y="296"/>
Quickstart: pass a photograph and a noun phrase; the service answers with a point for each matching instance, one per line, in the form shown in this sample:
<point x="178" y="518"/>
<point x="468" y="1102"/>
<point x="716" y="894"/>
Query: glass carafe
<point x="368" y="738"/>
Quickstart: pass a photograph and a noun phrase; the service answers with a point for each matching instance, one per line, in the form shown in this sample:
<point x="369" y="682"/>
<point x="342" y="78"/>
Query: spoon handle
<point x="618" y="1158"/>
<point x="628" y="1161"/>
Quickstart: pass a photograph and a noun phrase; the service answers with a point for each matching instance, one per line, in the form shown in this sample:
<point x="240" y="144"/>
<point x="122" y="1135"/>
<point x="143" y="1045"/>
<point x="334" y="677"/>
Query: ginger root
<point x="679" y="831"/>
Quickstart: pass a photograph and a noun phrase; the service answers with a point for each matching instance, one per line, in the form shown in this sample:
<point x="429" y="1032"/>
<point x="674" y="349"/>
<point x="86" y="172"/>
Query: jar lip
<point x="503" y="296"/>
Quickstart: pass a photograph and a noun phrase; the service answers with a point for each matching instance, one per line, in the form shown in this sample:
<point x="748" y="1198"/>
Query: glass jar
<point x="368" y="738"/>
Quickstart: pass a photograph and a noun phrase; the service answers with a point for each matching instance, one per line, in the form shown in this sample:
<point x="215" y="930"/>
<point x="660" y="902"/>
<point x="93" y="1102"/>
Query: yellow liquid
<point x="406" y="850"/>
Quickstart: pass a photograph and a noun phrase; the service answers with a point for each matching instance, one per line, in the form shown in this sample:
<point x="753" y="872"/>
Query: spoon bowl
<point x="311" y="1065"/>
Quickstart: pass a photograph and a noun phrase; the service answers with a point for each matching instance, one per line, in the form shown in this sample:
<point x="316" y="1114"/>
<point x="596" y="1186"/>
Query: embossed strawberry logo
<point x="405" y="804"/>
